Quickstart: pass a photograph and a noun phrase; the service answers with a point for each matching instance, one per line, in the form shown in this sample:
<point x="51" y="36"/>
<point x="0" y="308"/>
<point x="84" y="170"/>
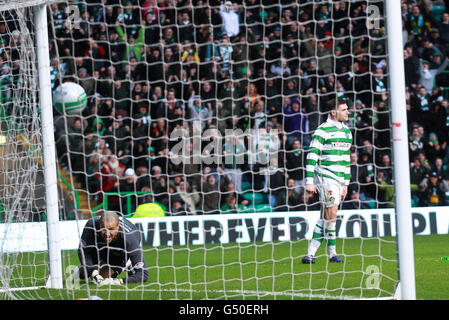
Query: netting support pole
<point x="49" y="154"/>
<point x="400" y="150"/>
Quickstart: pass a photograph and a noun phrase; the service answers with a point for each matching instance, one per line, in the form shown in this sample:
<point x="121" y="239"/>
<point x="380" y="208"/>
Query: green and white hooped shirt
<point x="329" y="153"/>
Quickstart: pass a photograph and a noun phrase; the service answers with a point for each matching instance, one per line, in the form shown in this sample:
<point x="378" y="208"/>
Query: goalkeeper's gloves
<point x="110" y="282"/>
<point x="100" y="281"/>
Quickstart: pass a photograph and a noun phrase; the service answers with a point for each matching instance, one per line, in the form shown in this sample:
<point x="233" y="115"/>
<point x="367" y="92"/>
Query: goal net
<point x="196" y="128"/>
<point x="21" y="175"/>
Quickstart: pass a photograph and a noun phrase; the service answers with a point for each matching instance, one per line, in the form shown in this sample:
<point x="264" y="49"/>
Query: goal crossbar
<point x="15" y="4"/>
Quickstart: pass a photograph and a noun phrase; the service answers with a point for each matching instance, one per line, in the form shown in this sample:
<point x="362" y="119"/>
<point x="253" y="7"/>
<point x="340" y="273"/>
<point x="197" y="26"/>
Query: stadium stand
<point x="150" y="67"/>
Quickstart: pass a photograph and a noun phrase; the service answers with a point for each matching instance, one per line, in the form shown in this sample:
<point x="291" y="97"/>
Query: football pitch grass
<point x="262" y="271"/>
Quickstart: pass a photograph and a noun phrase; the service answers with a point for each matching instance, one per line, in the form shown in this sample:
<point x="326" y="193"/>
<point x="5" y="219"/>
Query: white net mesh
<point x="22" y="193"/>
<point x="237" y="219"/>
<point x="18" y="4"/>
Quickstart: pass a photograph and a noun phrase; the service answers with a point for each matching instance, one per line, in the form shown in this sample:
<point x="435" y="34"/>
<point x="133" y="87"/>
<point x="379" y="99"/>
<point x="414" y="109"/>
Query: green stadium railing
<point x="128" y="194"/>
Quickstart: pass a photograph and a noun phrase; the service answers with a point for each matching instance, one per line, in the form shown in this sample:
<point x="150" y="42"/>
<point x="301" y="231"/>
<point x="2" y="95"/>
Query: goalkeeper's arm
<point x="87" y="263"/>
<point x="139" y="270"/>
<point x="87" y="251"/>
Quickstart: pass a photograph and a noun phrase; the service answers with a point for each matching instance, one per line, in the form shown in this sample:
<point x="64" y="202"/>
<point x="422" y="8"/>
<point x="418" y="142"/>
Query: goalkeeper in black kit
<point x="109" y="245"/>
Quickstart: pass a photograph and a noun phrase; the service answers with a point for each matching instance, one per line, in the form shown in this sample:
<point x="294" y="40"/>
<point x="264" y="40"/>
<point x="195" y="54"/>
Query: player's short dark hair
<point x="333" y="104"/>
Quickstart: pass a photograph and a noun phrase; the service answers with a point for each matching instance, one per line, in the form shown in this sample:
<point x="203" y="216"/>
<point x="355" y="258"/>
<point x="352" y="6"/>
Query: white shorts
<point x="330" y="191"/>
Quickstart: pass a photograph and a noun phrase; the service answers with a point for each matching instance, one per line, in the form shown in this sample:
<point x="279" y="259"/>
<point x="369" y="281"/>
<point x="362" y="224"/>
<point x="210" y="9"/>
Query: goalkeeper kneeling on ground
<point x="109" y="245"/>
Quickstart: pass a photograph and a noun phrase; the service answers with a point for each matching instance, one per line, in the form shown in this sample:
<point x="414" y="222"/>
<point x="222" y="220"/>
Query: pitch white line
<point x="266" y="293"/>
<point x="242" y="292"/>
<point x="21" y="289"/>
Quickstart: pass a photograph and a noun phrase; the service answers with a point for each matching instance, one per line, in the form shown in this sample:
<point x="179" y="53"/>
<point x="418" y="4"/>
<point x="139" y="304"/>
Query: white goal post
<point x="48" y="140"/>
<point x="400" y="150"/>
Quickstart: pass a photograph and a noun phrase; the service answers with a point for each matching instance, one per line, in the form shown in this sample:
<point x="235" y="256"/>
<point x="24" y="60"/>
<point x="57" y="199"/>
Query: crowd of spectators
<point x="267" y="67"/>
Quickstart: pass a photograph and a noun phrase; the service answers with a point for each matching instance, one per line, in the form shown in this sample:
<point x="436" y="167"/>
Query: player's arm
<point x="313" y="156"/>
<point x="347" y="171"/>
<point x="139" y="270"/>
<point x="87" y="249"/>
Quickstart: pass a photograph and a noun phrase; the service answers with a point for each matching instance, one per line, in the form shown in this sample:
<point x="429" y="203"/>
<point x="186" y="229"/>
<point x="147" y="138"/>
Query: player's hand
<point x="96" y="277"/>
<point x="100" y="281"/>
<point x="344" y="193"/>
<point x="110" y="282"/>
<point x="310" y="188"/>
